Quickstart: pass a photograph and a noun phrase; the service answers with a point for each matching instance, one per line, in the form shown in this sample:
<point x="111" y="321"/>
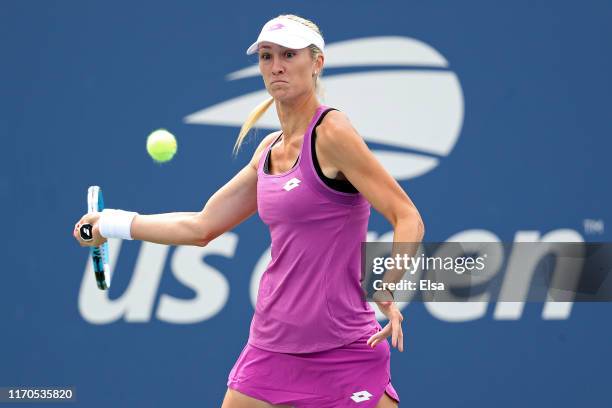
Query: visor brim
<point x="284" y="40"/>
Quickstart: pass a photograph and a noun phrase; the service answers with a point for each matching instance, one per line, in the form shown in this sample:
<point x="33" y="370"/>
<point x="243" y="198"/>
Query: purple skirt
<point x="354" y="375"/>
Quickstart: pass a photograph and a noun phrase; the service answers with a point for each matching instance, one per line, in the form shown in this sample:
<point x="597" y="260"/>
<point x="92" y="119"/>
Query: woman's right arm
<point x="228" y="207"/>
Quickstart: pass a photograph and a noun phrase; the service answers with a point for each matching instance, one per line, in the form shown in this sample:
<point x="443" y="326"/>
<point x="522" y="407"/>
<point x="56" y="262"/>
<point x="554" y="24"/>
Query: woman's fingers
<point x="400" y="340"/>
<point x="381" y="335"/>
<point x="393" y="329"/>
<point x="398" y="336"/>
<point x="93" y="220"/>
<point x="375" y="341"/>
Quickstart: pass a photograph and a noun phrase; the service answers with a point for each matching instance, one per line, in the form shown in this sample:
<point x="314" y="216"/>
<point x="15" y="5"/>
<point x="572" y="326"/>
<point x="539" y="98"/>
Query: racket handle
<point x="86" y="232"/>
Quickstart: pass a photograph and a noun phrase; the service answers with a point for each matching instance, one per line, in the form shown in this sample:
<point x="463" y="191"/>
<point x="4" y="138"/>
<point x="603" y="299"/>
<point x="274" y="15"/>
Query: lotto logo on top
<point x="291" y="184"/>
<point x="400" y="94"/>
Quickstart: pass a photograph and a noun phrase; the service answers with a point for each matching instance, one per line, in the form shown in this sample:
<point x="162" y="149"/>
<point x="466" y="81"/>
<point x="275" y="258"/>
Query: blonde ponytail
<point x="251" y="120"/>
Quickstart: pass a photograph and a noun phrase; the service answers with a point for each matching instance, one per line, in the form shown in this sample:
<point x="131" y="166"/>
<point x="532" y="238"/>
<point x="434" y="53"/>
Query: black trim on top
<point x="343" y="186"/>
<point x="266" y="166"/>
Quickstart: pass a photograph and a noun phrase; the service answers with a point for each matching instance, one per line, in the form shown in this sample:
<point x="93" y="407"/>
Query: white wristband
<point x="116" y="223"/>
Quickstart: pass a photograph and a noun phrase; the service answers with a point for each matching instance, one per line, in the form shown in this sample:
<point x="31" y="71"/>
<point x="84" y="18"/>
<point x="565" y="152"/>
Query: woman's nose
<point x="277" y="67"/>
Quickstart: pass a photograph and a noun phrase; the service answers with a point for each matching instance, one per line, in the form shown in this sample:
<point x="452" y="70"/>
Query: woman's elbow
<point x="200" y="242"/>
<point x="201" y="235"/>
<point x="411" y="219"/>
<point x="420" y="227"/>
<point x="417" y="224"/>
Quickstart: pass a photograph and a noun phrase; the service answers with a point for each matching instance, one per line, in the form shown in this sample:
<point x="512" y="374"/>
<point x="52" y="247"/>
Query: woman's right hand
<point x="92" y="219"/>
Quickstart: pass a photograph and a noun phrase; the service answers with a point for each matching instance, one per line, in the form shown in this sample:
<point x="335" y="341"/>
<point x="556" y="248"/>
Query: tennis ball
<point x="161" y="145"/>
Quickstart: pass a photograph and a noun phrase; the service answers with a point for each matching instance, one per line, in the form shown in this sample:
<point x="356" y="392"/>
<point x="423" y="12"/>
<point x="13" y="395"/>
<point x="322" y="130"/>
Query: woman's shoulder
<point x="336" y="132"/>
<point x="263" y="145"/>
<point x="335" y="119"/>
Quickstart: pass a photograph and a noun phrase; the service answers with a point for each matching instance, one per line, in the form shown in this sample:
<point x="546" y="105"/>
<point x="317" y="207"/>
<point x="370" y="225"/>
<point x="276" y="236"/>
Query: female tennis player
<point x="314" y="341"/>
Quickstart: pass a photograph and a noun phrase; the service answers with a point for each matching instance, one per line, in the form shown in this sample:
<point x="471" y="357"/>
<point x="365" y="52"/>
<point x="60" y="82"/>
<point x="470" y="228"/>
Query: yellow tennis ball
<point x="161" y="145"/>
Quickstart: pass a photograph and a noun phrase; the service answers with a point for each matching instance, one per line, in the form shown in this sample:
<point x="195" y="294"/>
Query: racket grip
<point x="86" y="232"/>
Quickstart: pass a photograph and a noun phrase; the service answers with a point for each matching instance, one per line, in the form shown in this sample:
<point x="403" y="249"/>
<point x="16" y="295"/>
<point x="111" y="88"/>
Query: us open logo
<point x="400" y="95"/>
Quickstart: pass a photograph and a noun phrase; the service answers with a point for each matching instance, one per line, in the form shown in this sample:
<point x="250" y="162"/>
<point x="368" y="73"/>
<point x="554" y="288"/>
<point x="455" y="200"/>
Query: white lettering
<point x="136" y="303"/>
<point x="210" y="285"/>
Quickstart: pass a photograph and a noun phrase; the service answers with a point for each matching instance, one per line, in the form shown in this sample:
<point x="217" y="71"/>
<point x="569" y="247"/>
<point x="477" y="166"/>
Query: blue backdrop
<point x="498" y="127"/>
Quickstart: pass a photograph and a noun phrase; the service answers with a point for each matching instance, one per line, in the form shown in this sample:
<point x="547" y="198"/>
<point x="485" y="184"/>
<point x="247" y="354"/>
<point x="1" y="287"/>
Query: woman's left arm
<point x="340" y="146"/>
<point x="345" y="149"/>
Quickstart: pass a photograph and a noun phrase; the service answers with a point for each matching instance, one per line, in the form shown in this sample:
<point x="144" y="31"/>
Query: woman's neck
<point x="295" y="116"/>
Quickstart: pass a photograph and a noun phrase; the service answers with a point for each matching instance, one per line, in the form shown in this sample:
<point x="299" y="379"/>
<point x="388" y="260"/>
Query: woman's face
<point x="287" y="73"/>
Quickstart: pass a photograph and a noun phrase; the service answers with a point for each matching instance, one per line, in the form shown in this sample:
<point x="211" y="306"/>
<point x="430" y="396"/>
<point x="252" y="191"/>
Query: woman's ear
<point x="319" y="64"/>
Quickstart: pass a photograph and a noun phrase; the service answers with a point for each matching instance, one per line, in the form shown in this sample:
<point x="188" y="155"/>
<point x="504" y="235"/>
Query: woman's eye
<point x="264" y="56"/>
<point x="290" y="54"/>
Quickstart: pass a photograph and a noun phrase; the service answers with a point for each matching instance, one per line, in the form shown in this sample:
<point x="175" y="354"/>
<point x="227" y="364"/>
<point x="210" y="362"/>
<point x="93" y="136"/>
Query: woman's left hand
<point x="393" y="328"/>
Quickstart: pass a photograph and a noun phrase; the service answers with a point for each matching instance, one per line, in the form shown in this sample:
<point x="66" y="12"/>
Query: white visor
<point x="287" y="33"/>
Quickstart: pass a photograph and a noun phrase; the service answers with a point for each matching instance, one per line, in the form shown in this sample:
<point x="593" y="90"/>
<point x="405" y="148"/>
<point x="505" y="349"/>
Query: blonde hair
<point x="263" y="107"/>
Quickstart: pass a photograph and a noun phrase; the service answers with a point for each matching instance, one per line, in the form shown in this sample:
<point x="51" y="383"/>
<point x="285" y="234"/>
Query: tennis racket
<point x="99" y="254"/>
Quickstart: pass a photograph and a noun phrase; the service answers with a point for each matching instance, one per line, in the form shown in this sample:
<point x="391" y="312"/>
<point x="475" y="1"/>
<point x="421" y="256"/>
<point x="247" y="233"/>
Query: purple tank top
<point x="310" y="298"/>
